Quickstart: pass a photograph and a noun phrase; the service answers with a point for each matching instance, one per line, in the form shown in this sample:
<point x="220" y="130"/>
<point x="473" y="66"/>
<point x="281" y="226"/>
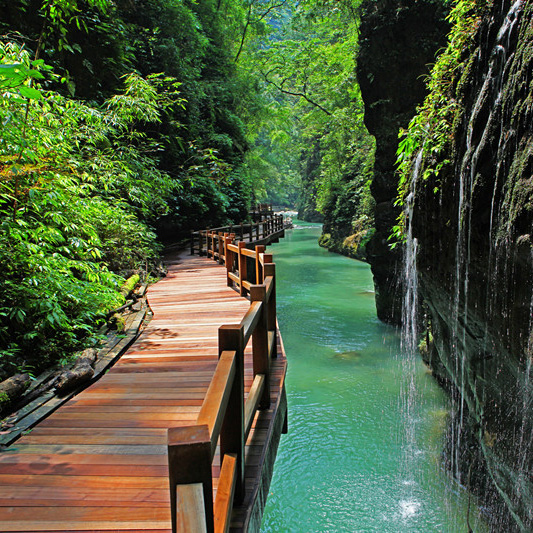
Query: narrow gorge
<point x="401" y="130"/>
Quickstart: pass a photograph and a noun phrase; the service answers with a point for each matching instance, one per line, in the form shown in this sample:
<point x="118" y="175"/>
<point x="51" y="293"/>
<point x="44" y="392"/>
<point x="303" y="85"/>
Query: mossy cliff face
<point x="475" y="259"/>
<point x="399" y="39"/>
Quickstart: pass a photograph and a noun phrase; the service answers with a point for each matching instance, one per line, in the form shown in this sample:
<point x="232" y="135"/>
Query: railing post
<point x="207" y="242"/>
<point x="259" y="249"/>
<point x="189" y="461"/>
<point x="220" y="247"/>
<point x="242" y="232"/>
<point x="269" y="269"/>
<point x="231" y="338"/>
<point x="225" y="246"/>
<point x="192" y="242"/>
<point x="229" y="261"/>
<point x="261" y="362"/>
<point x="267" y="259"/>
<point x="242" y="267"/>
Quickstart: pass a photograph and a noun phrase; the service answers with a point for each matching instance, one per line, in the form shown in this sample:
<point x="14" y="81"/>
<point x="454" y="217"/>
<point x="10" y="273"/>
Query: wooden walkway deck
<point x="99" y="463"/>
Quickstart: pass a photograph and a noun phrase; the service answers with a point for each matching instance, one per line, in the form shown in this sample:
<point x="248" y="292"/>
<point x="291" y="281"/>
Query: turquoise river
<point x="362" y="454"/>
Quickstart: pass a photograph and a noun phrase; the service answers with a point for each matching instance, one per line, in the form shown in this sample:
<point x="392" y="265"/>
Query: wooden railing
<point x="225" y="416"/>
<point x="208" y="241"/>
<point x="261" y="212"/>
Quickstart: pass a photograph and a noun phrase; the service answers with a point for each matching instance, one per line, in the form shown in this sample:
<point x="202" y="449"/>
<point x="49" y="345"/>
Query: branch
<point x="294" y="93"/>
<point x="270" y="9"/>
<point x="250" y="21"/>
<point x="245" y="30"/>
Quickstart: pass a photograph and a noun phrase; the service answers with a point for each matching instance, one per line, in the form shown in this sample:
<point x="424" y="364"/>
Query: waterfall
<point x="484" y="117"/>
<point x="473" y="315"/>
<point x="409" y="347"/>
<point x="409" y="314"/>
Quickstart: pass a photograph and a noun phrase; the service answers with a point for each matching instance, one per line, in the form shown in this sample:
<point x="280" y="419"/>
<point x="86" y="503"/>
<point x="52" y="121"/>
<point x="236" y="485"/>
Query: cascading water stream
<point x="410" y="328"/>
<point x="481" y="122"/>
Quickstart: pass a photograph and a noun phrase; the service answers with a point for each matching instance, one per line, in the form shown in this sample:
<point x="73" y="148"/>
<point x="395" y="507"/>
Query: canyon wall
<point x="472" y="224"/>
<point x="398" y="41"/>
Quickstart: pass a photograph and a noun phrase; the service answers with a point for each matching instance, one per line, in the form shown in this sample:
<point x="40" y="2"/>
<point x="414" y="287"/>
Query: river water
<point x="345" y="465"/>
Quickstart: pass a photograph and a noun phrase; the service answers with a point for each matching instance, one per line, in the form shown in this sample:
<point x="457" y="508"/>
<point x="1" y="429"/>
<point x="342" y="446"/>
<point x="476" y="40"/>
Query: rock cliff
<point x="473" y="227"/>
<point x="398" y="41"/>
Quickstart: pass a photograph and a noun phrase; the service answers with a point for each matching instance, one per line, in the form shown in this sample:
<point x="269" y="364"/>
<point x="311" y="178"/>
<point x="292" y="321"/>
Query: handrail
<point x="208" y="241"/>
<point x="217" y="397"/>
<point x="225" y="417"/>
<point x="251" y="319"/>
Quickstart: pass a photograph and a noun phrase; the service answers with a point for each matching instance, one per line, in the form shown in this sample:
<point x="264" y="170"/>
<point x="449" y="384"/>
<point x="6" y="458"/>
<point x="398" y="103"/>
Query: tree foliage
<point x="119" y="120"/>
<point x="307" y="67"/>
<point x="430" y="132"/>
<point x="127" y="121"/>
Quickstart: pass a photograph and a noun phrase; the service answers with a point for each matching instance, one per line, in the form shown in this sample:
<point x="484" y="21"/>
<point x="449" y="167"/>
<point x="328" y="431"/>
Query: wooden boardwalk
<point x="99" y="463"/>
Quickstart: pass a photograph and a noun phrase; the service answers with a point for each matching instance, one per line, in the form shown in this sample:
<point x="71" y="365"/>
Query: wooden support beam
<point x="260" y="249"/>
<point x="270" y="272"/>
<point x="272" y="344"/>
<point x="242" y="267"/>
<point x="228" y="255"/>
<point x="221" y="247"/>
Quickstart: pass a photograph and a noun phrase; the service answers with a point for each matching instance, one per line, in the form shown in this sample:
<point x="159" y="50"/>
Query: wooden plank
<point x="104" y="449"/>
<point x="53" y="482"/>
<point x="190" y="514"/>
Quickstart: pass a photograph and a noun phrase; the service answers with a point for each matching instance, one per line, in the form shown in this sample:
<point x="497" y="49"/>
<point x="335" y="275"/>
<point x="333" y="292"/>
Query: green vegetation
<point x="125" y="125"/>
<point x="314" y="131"/>
<point x="71" y="218"/>
<point x="100" y="150"/>
<point x="432" y="129"/>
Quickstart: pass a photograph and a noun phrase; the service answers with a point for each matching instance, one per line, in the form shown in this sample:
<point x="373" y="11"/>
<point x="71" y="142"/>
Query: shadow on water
<point x="340" y="468"/>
